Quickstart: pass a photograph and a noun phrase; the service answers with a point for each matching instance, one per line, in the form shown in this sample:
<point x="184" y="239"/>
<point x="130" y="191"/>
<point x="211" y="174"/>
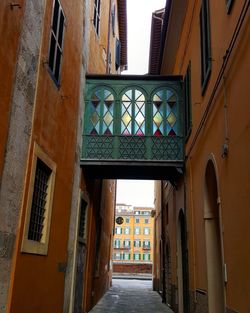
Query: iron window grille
<point x="39" y="200"/>
<point x="206" y="63"/>
<point x="82" y="220"/>
<point x="56" y="42"/>
<point x="96" y="21"/>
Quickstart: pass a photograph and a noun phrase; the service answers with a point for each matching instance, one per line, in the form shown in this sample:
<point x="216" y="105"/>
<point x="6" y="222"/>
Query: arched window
<point x="165" y="113"/>
<point x="133" y="113"/>
<point x="101" y="112"/>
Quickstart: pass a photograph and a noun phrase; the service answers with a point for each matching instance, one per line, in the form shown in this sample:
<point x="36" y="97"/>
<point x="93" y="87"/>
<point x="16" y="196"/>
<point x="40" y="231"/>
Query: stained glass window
<point x="108" y="113"/>
<point x="133" y="113"/>
<point x="102" y="113"/>
<point x="165" y="113"/>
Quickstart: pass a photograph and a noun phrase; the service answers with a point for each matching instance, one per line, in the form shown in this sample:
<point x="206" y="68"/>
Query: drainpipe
<point x="163" y="248"/>
<point x="108" y="44"/>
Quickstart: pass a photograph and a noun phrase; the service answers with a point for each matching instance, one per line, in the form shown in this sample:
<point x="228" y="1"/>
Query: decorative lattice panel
<point x="131" y="147"/>
<point x="167" y="148"/>
<point x="98" y="147"/>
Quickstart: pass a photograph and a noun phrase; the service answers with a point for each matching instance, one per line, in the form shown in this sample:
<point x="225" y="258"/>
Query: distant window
<point x="187" y="100"/>
<point x="205" y="44"/>
<point x="117" y="54"/>
<point x="146" y="244"/>
<point x="126" y="243"/>
<point x="126" y="256"/>
<point x="137" y="220"/>
<point x="146" y="231"/>
<point x="127" y="220"/>
<point x="229" y="4"/>
<point x="146" y="256"/>
<point x="137" y="243"/>
<point x="137" y="230"/>
<point x="96" y="20"/>
<point x="113" y="19"/>
<point x="127" y="230"/>
<point x="118" y="230"/>
<point x="117" y="256"/>
<point x="137" y="256"/>
<point x="146" y="221"/>
<point x="117" y="243"/>
<point x="56" y="42"/>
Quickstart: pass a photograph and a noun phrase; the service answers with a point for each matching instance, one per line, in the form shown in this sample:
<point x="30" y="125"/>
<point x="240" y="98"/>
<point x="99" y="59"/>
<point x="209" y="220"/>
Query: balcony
<point x="133" y="124"/>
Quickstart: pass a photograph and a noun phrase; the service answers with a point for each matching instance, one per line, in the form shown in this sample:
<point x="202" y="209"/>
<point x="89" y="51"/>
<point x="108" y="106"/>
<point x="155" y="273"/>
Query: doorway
<point x="214" y="257"/>
<point x="183" y="284"/>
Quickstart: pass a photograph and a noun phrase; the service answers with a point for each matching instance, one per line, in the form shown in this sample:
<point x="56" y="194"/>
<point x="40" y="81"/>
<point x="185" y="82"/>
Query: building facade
<point x="133" y="239"/>
<point x="203" y="217"/>
<point x="49" y="209"/>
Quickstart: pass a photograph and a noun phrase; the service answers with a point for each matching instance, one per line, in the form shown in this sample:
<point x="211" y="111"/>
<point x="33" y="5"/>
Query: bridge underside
<point x="133" y="170"/>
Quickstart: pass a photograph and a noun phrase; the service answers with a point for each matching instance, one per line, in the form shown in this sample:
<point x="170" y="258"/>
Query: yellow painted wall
<point x="132" y="236"/>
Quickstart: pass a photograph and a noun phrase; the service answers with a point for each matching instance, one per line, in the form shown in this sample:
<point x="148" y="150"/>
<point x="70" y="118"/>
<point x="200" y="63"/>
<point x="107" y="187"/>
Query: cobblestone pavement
<point x="131" y="296"/>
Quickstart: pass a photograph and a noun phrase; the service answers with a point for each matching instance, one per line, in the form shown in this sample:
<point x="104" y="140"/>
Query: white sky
<point x="139" y="12"/>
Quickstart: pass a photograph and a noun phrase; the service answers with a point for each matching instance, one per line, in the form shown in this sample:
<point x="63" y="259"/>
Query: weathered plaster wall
<point x="21" y="113"/>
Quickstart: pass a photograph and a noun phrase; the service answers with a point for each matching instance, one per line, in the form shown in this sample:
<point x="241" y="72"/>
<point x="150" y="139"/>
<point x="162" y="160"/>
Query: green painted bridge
<point x="133" y="126"/>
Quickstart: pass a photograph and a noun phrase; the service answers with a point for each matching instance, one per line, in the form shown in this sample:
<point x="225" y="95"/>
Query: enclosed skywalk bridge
<point x="133" y="127"/>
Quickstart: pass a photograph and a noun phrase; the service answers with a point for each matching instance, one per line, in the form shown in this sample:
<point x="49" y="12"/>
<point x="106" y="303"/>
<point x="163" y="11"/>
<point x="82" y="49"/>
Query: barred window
<point x="39" y="203"/>
<point x="56" y="42"/>
<point x="38" y="206"/>
<point x="82" y="220"/>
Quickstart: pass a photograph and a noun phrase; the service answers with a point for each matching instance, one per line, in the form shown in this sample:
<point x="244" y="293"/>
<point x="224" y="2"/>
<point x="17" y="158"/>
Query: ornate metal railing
<point x="133" y="118"/>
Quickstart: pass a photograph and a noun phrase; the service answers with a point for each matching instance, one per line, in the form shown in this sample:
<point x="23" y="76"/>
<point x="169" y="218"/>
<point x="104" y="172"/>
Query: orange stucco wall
<point x="10" y="27"/>
<point x="100" y="45"/>
<point x="36" y="277"/>
<point x="233" y="171"/>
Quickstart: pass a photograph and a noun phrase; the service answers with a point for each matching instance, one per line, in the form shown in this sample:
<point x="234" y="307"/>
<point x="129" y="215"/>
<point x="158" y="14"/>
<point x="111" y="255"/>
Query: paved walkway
<point x="131" y="296"/>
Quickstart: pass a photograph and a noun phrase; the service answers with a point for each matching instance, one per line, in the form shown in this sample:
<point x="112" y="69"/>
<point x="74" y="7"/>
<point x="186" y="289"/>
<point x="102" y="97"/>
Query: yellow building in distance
<point x="133" y="239"/>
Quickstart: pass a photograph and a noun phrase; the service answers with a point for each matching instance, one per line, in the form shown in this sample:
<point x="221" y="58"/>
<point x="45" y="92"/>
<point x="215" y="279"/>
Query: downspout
<point x="108" y="44"/>
<point x="163" y="240"/>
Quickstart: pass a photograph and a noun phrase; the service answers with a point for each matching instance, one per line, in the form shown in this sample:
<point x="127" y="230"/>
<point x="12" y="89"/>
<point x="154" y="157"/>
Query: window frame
<point x="205" y="44"/>
<point x="139" y="231"/>
<point x="31" y="246"/>
<point x="229" y="4"/>
<point x="97" y="17"/>
<point x="83" y="238"/>
<point x="52" y="71"/>
<point x="188" y="102"/>
<point x="126" y="230"/>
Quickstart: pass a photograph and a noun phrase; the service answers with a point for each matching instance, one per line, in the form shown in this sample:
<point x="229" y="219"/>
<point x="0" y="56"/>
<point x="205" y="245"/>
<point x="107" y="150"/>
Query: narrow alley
<point x="131" y="296"/>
